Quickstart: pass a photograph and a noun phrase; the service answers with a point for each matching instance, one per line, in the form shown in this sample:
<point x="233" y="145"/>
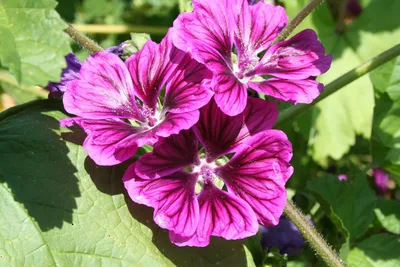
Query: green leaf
<point x="380" y="250"/>
<point x="348" y="112"/>
<point x="20" y="93"/>
<point x="32" y="43"/>
<point x="388" y="213"/>
<point x="57" y="208"/>
<point x="386" y="126"/>
<point x="185" y="6"/>
<point x="351" y="202"/>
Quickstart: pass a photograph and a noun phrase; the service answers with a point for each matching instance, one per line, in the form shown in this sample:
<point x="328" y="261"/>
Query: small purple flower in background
<point x="122" y="106"/>
<point x="285" y="236"/>
<point x="221" y="178"/>
<point x="286" y="70"/>
<point x="342" y="177"/>
<point x="381" y="179"/>
<point x="71" y="72"/>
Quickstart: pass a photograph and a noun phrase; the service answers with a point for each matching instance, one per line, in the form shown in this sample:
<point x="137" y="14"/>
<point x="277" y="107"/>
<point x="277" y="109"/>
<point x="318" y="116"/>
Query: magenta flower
<point x="222" y="178"/>
<point x="123" y="106"/>
<point x="381" y="179"/>
<point x="342" y="177"/>
<point x="285" y="71"/>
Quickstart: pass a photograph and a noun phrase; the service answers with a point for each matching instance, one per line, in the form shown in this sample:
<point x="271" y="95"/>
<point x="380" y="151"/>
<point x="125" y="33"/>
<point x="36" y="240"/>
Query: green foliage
<point x="349" y="204"/>
<point x="381" y="250"/>
<point x="386" y="129"/>
<point x="388" y="214"/>
<point x="348" y="112"/>
<point x="19" y="92"/>
<point x="58" y="208"/>
<point x="32" y="43"/>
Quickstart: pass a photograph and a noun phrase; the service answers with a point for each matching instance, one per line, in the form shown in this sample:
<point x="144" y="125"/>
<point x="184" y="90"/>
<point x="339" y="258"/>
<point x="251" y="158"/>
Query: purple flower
<point x="285" y="236"/>
<point x="285" y="71"/>
<point x="381" y="179"/>
<point x="71" y="72"/>
<point x="342" y="177"/>
<point x="183" y="178"/>
<point x="123" y="106"/>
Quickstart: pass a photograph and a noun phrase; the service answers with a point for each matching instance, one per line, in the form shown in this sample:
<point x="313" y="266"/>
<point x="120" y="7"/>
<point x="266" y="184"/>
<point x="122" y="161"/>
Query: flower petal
<point x="220" y="133"/>
<point x="207" y="30"/>
<point x="174" y="123"/>
<point x="151" y="67"/>
<point x="104" y="90"/>
<point x="257" y="26"/>
<point x="259" y="115"/>
<point x="257" y="173"/>
<point x="221" y="214"/>
<point x="109" y="142"/>
<point x="230" y="94"/>
<point x="189" y="88"/>
<point x="169" y="155"/>
<point x="296" y="91"/>
<point x="300" y="57"/>
<point x="173" y="198"/>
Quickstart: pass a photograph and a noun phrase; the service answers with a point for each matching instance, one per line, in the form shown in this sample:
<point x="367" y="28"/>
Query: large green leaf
<point x="388" y="213"/>
<point x="32" y="43"/>
<point x="380" y="250"/>
<point x="386" y="127"/>
<point x="348" y="112"/>
<point x="352" y="202"/>
<point x="58" y="208"/>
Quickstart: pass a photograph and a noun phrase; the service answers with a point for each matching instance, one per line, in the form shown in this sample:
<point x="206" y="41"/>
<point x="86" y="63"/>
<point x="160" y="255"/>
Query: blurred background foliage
<point x="351" y="132"/>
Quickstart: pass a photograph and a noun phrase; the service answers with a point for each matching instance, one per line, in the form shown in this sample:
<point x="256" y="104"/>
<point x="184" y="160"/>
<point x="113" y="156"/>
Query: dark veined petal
<point x="206" y="32"/>
<point x="296" y="91"/>
<point x="169" y="155"/>
<point x="151" y="67"/>
<point x="300" y="57"/>
<point x="230" y="94"/>
<point x="108" y="142"/>
<point x="221" y="134"/>
<point x="256" y="26"/>
<point x="173" y="198"/>
<point x="174" y="123"/>
<point x="221" y="214"/>
<point x="104" y="90"/>
<point x="189" y="87"/>
<point x="257" y="173"/>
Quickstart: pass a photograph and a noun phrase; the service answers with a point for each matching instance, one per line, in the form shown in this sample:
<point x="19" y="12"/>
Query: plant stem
<point x="312" y="236"/>
<point x="119" y="29"/>
<point x="297" y="20"/>
<point x="340" y="82"/>
<point x="82" y="39"/>
<point x="340" y="23"/>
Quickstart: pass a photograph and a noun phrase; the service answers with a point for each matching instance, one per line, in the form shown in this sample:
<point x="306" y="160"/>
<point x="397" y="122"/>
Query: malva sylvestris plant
<point x="217" y="168"/>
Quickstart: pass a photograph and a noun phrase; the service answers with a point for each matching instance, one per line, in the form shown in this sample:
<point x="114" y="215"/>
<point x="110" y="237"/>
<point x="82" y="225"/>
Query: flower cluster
<point x="217" y="167"/>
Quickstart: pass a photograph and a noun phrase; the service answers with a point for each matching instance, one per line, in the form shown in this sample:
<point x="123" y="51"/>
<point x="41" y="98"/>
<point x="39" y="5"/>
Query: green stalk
<point x="82" y="39"/>
<point x="340" y="82"/>
<point x="311" y="235"/>
<point x="297" y="20"/>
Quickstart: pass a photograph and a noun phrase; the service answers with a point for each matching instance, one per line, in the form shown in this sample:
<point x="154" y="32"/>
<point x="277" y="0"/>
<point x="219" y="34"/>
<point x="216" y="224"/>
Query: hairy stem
<point x="82" y="39"/>
<point x="297" y="20"/>
<point x="312" y="236"/>
<point x="119" y="29"/>
<point x="340" y="82"/>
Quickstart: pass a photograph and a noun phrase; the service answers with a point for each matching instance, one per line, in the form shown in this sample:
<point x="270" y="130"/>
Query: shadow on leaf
<point x="34" y="164"/>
